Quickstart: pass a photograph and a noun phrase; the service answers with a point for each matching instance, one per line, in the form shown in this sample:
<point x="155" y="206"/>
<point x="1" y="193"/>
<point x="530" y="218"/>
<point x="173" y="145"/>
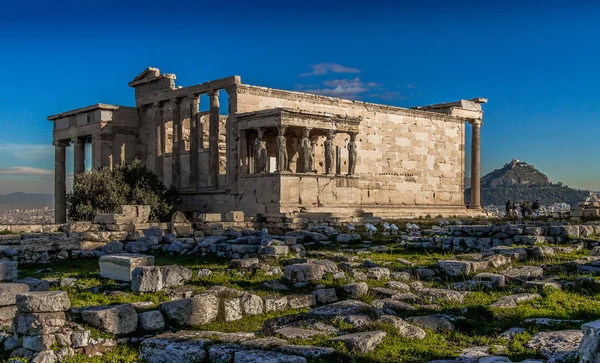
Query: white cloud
<point x="26" y="171"/>
<point x="326" y="68"/>
<point x="342" y="88"/>
<point x="28" y="152"/>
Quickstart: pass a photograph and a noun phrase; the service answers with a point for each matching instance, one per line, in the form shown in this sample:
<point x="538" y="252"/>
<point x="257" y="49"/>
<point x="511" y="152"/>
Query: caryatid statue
<point x="261" y="153"/>
<point x="282" y="156"/>
<point x="329" y="153"/>
<point x="352" y="154"/>
<point x="307" y="152"/>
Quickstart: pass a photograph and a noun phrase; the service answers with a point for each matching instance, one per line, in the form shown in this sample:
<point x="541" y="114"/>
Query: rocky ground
<point x="352" y="297"/>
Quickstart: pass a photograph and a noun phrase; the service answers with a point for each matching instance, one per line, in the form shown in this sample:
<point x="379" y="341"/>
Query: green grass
<point x="481" y="324"/>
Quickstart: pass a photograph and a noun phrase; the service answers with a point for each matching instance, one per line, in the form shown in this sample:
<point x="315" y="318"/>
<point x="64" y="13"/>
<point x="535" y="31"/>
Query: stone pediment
<point x="148" y="75"/>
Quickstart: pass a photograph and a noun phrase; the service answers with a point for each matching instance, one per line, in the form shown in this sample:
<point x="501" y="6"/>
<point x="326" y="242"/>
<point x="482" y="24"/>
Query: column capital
<point x="475" y="122"/>
<point x="77" y="140"/>
<point x="214" y="98"/>
<point x="60" y="143"/>
<point x="175" y="102"/>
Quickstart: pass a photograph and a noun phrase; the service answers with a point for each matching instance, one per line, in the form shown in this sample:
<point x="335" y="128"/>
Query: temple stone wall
<point x="405" y="156"/>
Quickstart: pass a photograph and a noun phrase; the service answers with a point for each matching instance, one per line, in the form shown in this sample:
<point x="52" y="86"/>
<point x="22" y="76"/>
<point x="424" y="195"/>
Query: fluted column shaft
<point x="60" y="182"/>
<point x="78" y="156"/>
<point x="194" y="141"/>
<point x="213" y="147"/>
<point x="159" y="140"/>
<point x="177" y="137"/>
<point x="476" y="164"/>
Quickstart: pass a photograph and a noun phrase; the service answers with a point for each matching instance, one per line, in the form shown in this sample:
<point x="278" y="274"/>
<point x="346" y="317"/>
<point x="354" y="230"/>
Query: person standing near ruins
<point x="352" y="154"/>
<point x="536" y="207"/>
<point x="509" y="208"/>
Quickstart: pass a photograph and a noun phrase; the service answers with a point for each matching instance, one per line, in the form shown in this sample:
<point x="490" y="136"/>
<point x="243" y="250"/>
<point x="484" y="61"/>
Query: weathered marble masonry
<point x="280" y="153"/>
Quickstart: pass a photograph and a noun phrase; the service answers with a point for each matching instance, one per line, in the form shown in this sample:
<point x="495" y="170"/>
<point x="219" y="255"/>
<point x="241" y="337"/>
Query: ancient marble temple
<point x="230" y="146"/>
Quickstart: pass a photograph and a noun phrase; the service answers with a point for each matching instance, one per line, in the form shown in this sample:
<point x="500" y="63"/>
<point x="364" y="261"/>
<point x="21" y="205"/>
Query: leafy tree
<point x="105" y="191"/>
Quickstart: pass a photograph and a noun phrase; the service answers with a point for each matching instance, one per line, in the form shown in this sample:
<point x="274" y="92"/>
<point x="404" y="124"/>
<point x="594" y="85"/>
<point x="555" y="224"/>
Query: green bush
<point x="105" y="191"/>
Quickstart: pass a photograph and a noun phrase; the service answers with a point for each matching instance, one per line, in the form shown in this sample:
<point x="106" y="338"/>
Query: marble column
<point x="213" y="142"/>
<point x="476" y="164"/>
<point x="60" y="182"/>
<point x="194" y="102"/>
<point x="159" y="144"/>
<point x="78" y="155"/>
<point x="177" y="137"/>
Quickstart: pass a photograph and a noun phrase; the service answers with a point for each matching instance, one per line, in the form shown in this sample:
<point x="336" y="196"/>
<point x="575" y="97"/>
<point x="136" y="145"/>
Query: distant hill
<point x="519" y="181"/>
<point x="25" y="201"/>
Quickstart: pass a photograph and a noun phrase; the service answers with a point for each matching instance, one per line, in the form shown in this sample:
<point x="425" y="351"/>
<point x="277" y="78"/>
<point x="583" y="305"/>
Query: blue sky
<point x="536" y="62"/>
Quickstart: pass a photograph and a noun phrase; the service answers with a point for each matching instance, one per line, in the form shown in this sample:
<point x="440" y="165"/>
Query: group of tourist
<point x="526" y="208"/>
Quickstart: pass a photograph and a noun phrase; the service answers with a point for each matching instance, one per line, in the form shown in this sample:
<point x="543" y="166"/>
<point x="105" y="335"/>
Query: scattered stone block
<point x="197" y="310"/>
<point x="557" y="346"/>
<point x="120" y="266"/>
<point x="252" y="304"/>
<point x="38" y="343"/>
<point x="275" y="303"/>
<point x="173" y="347"/>
<point x="39" y="323"/>
<point x="234" y="216"/>
<point x="496" y="279"/>
<point x="7" y="314"/>
<point x="8" y="271"/>
<point x="361" y="342"/>
<point x="9" y="292"/>
<point x="35" y="284"/>
<point x="433" y="322"/>
<point x="303" y="272"/>
<point x="404" y="329"/>
<point x="325" y="296"/>
<point x="113" y="247"/>
<point x="588" y="349"/>
<point x="80" y="338"/>
<point x="46" y="356"/>
<point x="455" y="268"/>
<point x="378" y="273"/>
<point x="511" y="301"/>
<point x="301" y="301"/>
<point x="118" y="319"/>
<point x="290" y="332"/>
<point x="174" y="275"/>
<point x="151" y="321"/>
<point x="355" y="290"/>
<point x="338" y="309"/>
<point x="242" y="356"/>
<point x="180" y="225"/>
<point x="43" y="302"/>
<point x="146" y="279"/>
<point x="277" y="251"/>
<point x="232" y="309"/>
<point x="209" y="217"/>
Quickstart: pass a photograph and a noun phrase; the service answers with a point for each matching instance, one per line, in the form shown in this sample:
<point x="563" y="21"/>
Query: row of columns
<point x="192" y="106"/>
<point x="307" y="157"/>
